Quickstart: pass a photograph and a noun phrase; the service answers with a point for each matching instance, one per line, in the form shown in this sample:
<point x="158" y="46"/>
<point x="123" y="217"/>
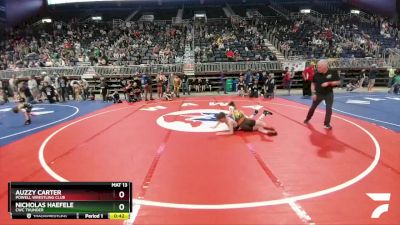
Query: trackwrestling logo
<point x="197" y="121"/>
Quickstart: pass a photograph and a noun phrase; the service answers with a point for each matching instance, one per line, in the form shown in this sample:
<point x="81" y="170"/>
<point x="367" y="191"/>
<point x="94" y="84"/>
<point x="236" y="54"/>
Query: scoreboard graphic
<point x="70" y="200"/>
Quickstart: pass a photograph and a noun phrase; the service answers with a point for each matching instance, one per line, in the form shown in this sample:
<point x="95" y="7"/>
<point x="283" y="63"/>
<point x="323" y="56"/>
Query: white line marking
<point x="362" y="117"/>
<point x="41" y="113"/>
<point x="43" y="145"/>
<point x="367" y="118"/>
<point x="350" y="101"/>
<point x="287" y="200"/>
<point x="133" y="215"/>
<point x="301" y="213"/>
<point x="45" y="125"/>
<point x="5" y="109"/>
<point x="36" y="109"/>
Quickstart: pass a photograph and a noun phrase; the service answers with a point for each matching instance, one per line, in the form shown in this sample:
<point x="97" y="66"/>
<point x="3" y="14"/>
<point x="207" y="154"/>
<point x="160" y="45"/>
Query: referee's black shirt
<point x="322" y="78"/>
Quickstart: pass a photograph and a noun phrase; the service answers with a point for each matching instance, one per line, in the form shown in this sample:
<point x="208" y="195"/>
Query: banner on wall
<point x="297" y="65"/>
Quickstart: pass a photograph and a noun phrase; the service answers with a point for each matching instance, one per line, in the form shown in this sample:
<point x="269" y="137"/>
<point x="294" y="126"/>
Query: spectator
<point x="198" y="84"/>
<point x="34" y="88"/>
<point x="308" y="75"/>
<point x="287" y="79"/>
<point x="269" y="87"/>
<point x="25" y="93"/>
<point x="241" y="86"/>
<point x="160" y="79"/>
<point x="362" y="78"/>
<point x="147" y="86"/>
<point x="395" y="88"/>
<point x="392" y="73"/>
<point x="353" y="84"/>
<point x="371" y="77"/>
<point x="103" y="89"/>
<point x="49" y="91"/>
<point x="116" y="97"/>
<point x="222" y="82"/>
<point x="207" y="84"/>
<point x="185" y="83"/>
<point x="168" y="94"/>
<point x="62" y="84"/>
<point x="85" y="88"/>
<point x="77" y="90"/>
<point x="177" y="85"/>
<point x="230" y="55"/>
<point x="12" y="85"/>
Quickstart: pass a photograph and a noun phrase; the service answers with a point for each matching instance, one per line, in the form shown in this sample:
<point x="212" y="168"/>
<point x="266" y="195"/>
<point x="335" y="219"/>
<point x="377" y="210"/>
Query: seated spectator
<point x="168" y="94"/>
<point x="116" y="98"/>
<point x="230" y="55"/>
<point x="353" y="84"/>
<point x="395" y="89"/>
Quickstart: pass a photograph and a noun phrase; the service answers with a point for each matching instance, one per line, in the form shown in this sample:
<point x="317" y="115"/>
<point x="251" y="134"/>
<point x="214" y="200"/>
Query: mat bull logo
<point x="197" y="121"/>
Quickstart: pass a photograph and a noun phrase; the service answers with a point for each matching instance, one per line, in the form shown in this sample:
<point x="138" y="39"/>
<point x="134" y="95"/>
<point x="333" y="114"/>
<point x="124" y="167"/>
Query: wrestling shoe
<point x="266" y="112"/>
<point x="272" y="133"/>
<point x="255" y="112"/>
<point x="27" y="122"/>
<point x="328" y="127"/>
<point x="306" y="121"/>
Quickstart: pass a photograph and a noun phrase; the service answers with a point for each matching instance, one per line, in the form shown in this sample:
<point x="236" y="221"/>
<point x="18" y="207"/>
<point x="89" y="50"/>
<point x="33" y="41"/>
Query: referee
<point x="322" y="89"/>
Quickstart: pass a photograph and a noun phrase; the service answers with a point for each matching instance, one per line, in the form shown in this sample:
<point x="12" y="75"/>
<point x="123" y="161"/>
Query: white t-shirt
<point x="32" y="84"/>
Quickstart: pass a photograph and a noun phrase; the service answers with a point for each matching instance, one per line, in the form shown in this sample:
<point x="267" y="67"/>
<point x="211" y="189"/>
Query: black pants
<point x="306" y="88"/>
<point x="51" y="99"/>
<point x="64" y="93"/>
<point x="222" y="87"/>
<point x="328" y="101"/>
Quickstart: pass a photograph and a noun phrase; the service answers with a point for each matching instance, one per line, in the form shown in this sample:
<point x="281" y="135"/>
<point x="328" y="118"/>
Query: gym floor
<point x="184" y="174"/>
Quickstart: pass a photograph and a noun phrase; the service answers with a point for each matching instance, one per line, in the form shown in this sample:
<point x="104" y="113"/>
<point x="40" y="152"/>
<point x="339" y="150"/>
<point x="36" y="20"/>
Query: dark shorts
<point x="247" y="125"/>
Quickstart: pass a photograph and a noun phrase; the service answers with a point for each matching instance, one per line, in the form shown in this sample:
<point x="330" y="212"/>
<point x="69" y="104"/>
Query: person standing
<point x="248" y="79"/>
<point x="171" y="81"/>
<point x="25" y="92"/>
<point x="322" y="89"/>
<point x="103" y="89"/>
<point x="223" y="83"/>
<point x="147" y="86"/>
<point x="208" y="84"/>
<point x="34" y="88"/>
<point x="371" y="77"/>
<point x="177" y="85"/>
<point x="12" y="86"/>
<point x="392" y="73"/>
<point x="362" y="78"/>
<point x="341" y="77"/>
<point x="287" y="79"/>
<point x="198" y="86"/>
<point x="185" y="83"/>
<point x="85" y="89"/>
<point x="62" y="84"/>
<point x="308" y="75"/>
<point x="160" y="79"/>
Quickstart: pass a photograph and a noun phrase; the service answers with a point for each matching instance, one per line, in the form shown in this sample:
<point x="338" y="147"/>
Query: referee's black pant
<point x="328" y="101"/>
<point x="306" y="88"/>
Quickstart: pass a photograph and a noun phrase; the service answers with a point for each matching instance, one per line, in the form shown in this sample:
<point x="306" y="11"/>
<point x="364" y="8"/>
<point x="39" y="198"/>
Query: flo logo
<point x="380" y="197"/>
<point x="197" y="121"/>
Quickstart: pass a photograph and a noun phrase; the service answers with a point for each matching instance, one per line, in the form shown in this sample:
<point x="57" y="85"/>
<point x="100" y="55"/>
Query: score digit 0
<point x="121" y="194"/>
